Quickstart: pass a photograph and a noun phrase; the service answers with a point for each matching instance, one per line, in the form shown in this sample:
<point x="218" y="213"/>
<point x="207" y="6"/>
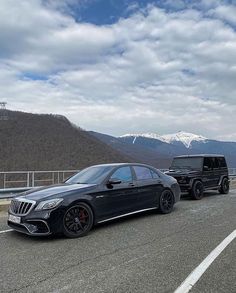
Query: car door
<point x="208" y="173"/>
<point x="150" y="186"/>
<point x="216" y="171"/>
<point x="119" y="198"/>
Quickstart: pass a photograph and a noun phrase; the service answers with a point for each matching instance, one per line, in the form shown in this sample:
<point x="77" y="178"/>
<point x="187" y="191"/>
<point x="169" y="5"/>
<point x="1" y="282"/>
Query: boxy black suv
<point x="197" y="173"/>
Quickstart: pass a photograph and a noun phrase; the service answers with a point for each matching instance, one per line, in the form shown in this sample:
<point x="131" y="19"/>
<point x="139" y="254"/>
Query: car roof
<point x="201" y="156"/>
<point x="123" y="164"/>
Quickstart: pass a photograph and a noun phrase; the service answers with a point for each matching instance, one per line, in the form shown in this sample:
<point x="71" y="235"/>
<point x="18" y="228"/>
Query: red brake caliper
<point x="82" y="216"/>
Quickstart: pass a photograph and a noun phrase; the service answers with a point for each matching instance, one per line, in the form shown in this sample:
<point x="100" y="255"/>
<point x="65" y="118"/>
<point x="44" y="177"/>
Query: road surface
<point x="145" y="253"/>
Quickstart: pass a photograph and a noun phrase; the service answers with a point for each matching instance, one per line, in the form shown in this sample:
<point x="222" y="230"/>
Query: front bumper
<point x="176" y="190"/>
<point x="35" y="227"/>
<point x="185" y="187"/>
<point x="39" y="223"/>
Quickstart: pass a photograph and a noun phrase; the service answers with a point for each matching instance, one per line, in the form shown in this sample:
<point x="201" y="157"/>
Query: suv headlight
<point x="183" y="179"/>
<point x="48" y="204"/>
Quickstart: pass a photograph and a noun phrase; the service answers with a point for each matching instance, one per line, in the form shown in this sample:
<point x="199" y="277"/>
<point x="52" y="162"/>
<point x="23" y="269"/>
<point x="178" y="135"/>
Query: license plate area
<point x="14" y="219"/>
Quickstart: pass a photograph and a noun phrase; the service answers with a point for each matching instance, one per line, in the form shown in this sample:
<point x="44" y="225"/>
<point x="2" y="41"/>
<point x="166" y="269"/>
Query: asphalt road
<point x="145" y="253"/>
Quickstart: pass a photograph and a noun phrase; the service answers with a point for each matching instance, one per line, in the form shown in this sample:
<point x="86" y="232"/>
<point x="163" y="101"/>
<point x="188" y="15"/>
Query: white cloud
<point x="225" y="12"/>
<point x="155" y="71"/>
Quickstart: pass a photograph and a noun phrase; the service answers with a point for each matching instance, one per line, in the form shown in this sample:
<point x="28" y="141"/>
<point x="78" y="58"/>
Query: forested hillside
<point x="49" y="142"/>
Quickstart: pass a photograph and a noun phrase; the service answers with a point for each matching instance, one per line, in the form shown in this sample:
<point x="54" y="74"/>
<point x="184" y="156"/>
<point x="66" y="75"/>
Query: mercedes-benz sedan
<point x="94" y="195"/>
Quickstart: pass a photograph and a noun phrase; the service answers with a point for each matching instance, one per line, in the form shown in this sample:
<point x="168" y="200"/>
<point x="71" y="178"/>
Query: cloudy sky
<point x="123" y="66"/>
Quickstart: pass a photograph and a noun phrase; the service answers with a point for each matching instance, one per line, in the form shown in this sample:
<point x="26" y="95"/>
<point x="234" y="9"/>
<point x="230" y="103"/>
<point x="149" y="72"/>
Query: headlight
<point x="48" y="204"/>
<point x="183" y="179"/>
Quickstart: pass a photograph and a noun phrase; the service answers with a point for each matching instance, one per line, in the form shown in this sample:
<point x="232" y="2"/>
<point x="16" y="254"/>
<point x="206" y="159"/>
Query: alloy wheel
<point x="198" y="190"/>
<point x="166" y="202"/>
<point x="78" y="220"/>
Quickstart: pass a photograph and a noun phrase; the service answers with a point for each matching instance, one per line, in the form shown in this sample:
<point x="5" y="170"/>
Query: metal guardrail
<point x="13" y="182"/>
<point x="17" y="181"/>
<point x="232" y="171"/>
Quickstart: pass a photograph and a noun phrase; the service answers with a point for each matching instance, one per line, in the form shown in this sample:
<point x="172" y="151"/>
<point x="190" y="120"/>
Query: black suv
<point x="197" y="173"/>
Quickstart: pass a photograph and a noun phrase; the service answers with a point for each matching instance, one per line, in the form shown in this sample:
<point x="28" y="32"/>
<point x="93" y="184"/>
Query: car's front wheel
<point x="78" y="220"/>
<point x="197" y="190"/>
<point x="224" y="187"/>
<point x="166" y="202"/>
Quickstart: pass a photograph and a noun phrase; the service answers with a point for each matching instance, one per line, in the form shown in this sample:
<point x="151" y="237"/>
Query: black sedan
<point x="94" y="195"/>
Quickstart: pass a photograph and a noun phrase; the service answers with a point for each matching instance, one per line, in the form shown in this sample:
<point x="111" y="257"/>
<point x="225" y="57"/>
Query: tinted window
<point x="124" y="174"/>
<point x="187" y="163"/>
<point x="154" y="174"/>
<point x="222" y="162"/>
<point x="91" y="175"/>
<point x="215" y="163"/>
<point x="208" y="163"/>
<point x="142" y="173"/>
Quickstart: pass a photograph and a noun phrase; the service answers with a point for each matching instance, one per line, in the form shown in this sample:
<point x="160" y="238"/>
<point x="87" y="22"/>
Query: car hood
<point x="182" y="172"/>
<point x="54" y="190"/>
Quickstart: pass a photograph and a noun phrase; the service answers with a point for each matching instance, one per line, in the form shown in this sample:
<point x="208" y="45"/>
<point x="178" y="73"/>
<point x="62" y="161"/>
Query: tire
<point x="224" y="187"/>
<point x="197" y="190"/>
<point x="77" y="220"/>
<point x="166" y="202"/>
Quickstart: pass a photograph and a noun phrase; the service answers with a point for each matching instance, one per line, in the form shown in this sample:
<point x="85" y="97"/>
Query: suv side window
<point x="207" y="163"/>
<point x="123" y="174"/>
<point x="222" y="162"/>
<point x="215" y="163"/>
<point x="142" y="173"/>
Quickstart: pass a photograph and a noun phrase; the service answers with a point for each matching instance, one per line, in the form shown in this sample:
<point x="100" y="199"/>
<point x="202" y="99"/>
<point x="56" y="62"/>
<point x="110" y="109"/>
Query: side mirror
<point x="113" y="182"/>
<point x="206" y="168"/>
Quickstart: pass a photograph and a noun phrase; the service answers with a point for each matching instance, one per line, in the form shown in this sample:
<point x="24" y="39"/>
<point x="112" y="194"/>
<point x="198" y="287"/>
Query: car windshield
<point x="91" y="175"/>
<point x="187" y="163"/>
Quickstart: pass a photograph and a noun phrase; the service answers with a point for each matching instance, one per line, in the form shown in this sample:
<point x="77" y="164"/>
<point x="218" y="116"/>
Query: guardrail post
<point x="4" y="180"/>
<point x="28" y="179"/>
<point x="32" y="179"/>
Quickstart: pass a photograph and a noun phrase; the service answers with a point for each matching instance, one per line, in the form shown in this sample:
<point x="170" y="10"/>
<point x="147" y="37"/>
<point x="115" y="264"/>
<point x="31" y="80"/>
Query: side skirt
<point x="128" y="214"/>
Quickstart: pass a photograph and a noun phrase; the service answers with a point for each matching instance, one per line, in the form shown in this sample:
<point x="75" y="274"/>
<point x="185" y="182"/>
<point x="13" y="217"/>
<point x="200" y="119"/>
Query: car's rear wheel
<point x="166" y="202"/>
<point x="224" y="187"/>
<point x="197" y="190"/>
<point x="78" y="220"/>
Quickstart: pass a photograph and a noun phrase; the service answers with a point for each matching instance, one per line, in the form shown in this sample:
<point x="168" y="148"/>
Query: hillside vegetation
<point x="49" y="142"/>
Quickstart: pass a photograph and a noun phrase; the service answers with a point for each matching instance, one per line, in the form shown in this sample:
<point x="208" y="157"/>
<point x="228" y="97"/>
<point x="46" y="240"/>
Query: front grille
<point x="21" y="206"/>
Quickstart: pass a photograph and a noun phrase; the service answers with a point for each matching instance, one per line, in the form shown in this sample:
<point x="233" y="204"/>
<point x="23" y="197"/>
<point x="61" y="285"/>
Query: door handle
<point x="131" y="184"/>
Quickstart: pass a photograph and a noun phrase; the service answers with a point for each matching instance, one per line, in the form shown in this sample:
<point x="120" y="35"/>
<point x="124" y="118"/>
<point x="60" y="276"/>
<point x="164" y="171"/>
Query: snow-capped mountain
<point x="159" y="150"/>
<point x="182" y="137"/>
<point x="147" y="135"/>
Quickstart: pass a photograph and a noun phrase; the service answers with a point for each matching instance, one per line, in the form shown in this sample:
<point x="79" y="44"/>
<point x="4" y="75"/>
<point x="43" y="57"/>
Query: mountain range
<point x="164" y="147"/>
<point x="51" y="142"/>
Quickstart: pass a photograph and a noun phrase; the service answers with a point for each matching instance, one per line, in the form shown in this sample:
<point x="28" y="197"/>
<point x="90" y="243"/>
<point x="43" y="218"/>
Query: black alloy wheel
<point x="78" y="220"/>
<point x="197" y="191"/>
<point x="166" y="202"/>
<point x="224" y="187"/>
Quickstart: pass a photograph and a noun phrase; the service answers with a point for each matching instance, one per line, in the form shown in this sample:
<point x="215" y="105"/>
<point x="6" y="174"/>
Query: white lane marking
<point x="196" y="274"/>
<point x="5" y="231"/>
